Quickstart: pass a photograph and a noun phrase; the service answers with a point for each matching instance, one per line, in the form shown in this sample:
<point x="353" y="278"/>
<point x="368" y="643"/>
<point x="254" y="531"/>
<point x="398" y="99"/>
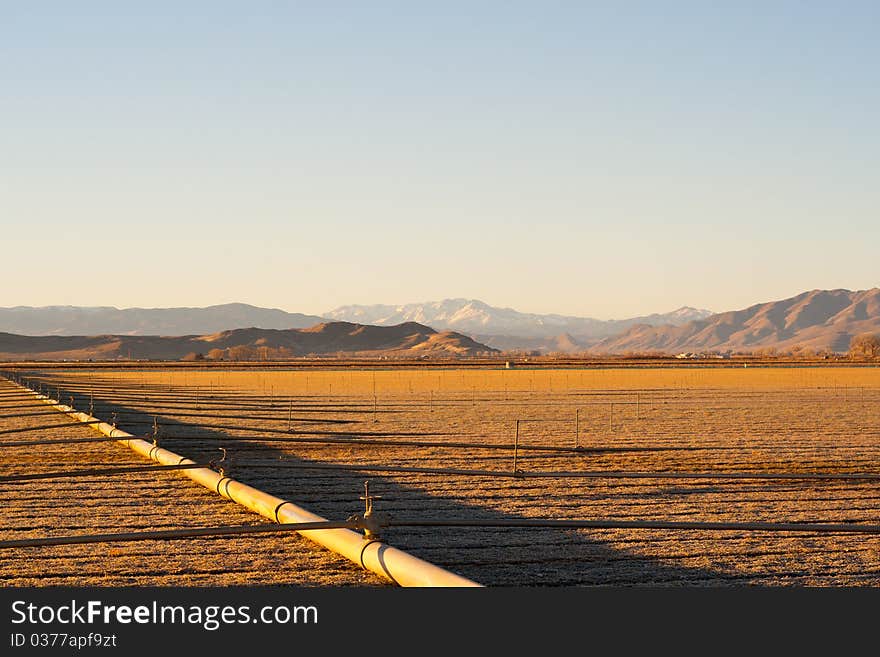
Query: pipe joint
<point x="371" y="524"/>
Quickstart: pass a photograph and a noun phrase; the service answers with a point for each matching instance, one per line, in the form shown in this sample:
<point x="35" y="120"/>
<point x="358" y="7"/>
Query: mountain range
<point x="100" y="320"/>
<point x="818" y="320"/>
<point x="408" y="340"/>
<point x="506" y="327"/>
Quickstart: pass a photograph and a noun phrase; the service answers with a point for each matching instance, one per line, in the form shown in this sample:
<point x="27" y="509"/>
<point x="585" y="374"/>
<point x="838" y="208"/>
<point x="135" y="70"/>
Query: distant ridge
<point x="101" y="320"/>
<point x="503" y="328"/>
<point x="486" y="322"/>
<point x="819" y="320"/>
<point x="408" y="340"/>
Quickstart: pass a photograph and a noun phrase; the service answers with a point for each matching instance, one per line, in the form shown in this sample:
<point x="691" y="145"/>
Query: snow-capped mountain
<point x="478" y="318"/>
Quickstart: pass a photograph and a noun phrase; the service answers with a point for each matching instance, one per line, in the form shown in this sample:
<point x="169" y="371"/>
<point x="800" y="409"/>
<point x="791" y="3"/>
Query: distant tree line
<point x="862" y="347"/>
<point x="243" y="352"/>
<point x="260" y="353"/>
<point x="865" y="346"/>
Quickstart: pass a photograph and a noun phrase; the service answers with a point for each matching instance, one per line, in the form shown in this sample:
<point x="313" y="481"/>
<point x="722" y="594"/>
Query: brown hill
<point x="817" y="320"/>
<point x="409" y="340"/>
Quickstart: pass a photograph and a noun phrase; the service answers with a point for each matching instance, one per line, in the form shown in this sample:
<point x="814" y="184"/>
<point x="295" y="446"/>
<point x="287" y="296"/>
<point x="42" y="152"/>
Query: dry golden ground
<point x="683" y="420"/>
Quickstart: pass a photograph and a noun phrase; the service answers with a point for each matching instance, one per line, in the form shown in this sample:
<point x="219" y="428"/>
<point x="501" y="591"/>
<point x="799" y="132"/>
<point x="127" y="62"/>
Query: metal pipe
<point x="805" y="527"/>
<point x="95" y="472"/>
<point x="46" y="426"/>
<point x="245" y="442"/>
<point x="465" y="445"/>
<point x="164" y="410"/>
<point x="54" y="441"/>
<point x="19" y="415"/>
<point x="536" y="523"/>
<point x="170" y="534"/>
<point x="518" y="474"/>
<point x="394" y="564"/>
<point x="573" y="474"/>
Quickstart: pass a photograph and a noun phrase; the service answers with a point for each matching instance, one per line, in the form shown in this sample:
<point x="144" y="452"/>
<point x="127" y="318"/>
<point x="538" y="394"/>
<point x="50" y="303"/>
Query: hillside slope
<point x="409" y="340"/>
<point x="818" y="320"/>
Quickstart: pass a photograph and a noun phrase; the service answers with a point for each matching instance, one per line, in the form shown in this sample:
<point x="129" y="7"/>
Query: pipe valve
<point x="370" y="522"/>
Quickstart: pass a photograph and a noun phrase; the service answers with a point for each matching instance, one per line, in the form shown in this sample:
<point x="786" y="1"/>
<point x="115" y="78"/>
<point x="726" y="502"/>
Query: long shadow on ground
<point x="490" y="556"/>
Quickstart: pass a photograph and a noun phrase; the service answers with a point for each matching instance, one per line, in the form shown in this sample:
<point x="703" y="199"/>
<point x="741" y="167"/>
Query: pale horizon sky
<point x="594" y="159"/>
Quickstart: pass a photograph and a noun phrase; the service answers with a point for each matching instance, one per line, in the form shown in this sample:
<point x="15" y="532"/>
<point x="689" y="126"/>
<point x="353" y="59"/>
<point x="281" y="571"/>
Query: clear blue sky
<point x="602" y="159"/>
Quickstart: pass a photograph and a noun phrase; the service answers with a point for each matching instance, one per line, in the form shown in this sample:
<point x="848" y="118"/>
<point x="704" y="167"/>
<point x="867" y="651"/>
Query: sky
<point x="600" y="159"/>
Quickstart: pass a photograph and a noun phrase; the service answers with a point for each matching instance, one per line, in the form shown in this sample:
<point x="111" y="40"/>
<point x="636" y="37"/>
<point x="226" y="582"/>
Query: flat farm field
<point x="749" y="447"/>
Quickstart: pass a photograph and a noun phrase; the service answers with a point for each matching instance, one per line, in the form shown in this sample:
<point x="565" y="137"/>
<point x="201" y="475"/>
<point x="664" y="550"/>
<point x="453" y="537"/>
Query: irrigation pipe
<point x="451" y="444"/>
<point x="95" y="472"/>
<point x="61" y="425"/>
<point x="420" y="443"/>
<point x="394" y="564"/>
<point x="14" y="416"/>
<point x="212" y="400"/>
<point x="519" y="474"/>
<point x="806" y="527"/>
<point x="226" y="416"/>
<point x="336" y="408"/>
<point x="521" y="523"/>
<point x="171" y="534"/>
<point x="574" y="474"/>
<point x="311" y="432"/>
<point x="56" y="441"/>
